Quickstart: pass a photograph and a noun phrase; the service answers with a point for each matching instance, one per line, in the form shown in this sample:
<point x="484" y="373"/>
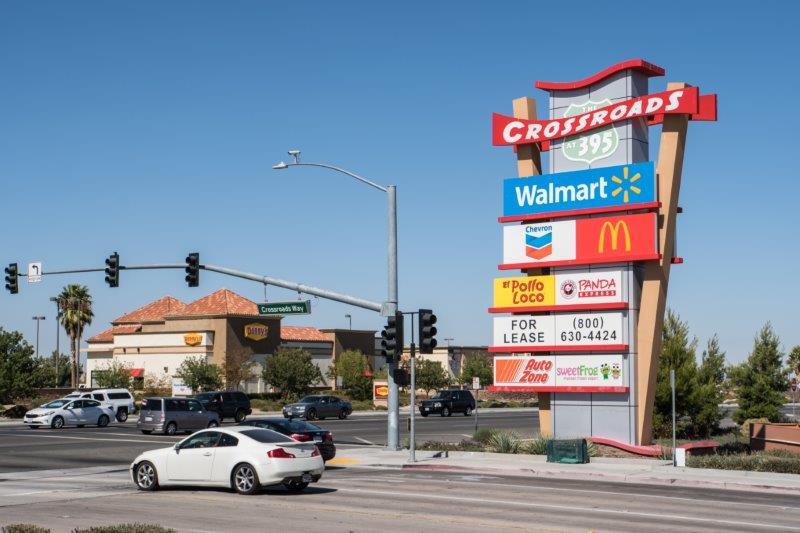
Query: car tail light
<point x="301" y="437"/>
<point x="315" y="453"/>
<point x="280" y="453"/>
<point x="327" y="436"/>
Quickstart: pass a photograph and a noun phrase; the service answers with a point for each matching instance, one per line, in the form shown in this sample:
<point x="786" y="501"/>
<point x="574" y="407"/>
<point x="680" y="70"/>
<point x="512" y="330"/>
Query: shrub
<point x="16" y="411"/>
<point x="292" y="371"/>
<point x="745" y="429"/>
<point x="199" y="374"/>
<point x="483" y="435"/>
<point x="537" y="446"/>
<point x="24" y="528"/>
<point x="758" y="462"/>
<point x="733" y="448"/>
<point x="505" y="442"/>
<point x="463" y="446"/>
<point x="125" y="528"/>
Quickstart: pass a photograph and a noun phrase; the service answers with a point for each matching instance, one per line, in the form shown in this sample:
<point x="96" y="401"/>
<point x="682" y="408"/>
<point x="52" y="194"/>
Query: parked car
<point x="299" y="430"/>
<point x="228" y="404"/>
<point x="121" y="399"/>
<point x="318" y="407"/>
<point x="243" y="458"/>
<point x="447" y="402"/>
<point x="69" y="412"/>
<point x="170" y="415"/>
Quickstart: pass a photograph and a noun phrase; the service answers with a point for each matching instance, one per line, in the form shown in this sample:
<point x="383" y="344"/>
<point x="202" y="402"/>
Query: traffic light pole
<point x="393" y="423"/>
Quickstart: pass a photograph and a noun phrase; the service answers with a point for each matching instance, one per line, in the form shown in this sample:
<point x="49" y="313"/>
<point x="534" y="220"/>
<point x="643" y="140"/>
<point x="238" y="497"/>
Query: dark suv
<point x="228" y="404"/>
<point x="447" y="402"/>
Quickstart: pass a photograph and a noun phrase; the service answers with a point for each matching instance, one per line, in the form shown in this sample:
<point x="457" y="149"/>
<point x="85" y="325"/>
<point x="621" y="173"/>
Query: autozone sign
<point x="565" y="290"/>
<point x="563" y="332"/>
<point x="580" y="242"/>
<point x="561" y="373"/>
<point x="509" y="130"/>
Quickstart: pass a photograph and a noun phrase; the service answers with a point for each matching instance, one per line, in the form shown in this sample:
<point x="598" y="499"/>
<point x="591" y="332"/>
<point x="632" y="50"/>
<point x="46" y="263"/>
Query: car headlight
<point x="437" y="404"/>
<point x="48" y="413"/>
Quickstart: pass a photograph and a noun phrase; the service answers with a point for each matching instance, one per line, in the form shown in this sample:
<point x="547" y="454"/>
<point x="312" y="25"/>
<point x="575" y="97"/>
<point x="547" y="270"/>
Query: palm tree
<point x="75" y="304"/>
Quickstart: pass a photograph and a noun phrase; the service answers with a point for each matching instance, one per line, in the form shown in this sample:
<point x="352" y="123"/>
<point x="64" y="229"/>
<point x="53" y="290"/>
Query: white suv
<point x="121" y="399"/>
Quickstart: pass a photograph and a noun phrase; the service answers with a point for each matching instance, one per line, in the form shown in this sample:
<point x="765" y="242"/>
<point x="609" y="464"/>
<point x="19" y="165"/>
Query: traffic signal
<point x="12" y="278"/>
<point x="392" y="334"/>
<point x="427" y="331"/>
<point x="112" y="270"/>
<point x="193" y="269"/>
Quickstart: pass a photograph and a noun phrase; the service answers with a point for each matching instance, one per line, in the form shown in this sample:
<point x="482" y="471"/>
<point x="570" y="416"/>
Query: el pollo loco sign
<point x="562" y="291"/>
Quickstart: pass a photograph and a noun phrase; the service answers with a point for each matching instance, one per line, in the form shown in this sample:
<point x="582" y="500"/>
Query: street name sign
<point x="302" y="307"/>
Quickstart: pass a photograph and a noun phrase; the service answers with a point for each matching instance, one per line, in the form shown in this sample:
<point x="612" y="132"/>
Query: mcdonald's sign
<point x="613" y="239"/>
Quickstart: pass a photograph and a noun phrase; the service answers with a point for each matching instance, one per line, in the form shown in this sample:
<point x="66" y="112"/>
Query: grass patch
<point x="505" y="442"/>
<point x="483" y="435"/>
<point x="756" y="462"/>
<point x="24" y="528"/>
<point x="126" y="528"/>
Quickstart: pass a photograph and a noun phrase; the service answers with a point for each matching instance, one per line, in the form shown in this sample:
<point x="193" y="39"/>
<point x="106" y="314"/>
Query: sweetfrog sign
<point x="560" y="373"/>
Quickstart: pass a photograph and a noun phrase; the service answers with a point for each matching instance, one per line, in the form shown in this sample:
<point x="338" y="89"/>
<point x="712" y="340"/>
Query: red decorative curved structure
<point x="641" y="65"/>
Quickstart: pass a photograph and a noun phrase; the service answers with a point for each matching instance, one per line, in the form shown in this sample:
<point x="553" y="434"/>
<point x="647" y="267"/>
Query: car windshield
<point x="439" y="395"/>
<point x="55" y="404"/>
<point x="310" y="399"/>
<point x="204" y="396"/>
<point x="265" y="435"/>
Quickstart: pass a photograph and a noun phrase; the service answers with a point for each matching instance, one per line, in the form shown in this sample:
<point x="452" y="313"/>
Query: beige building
<point x="156" y="338"/>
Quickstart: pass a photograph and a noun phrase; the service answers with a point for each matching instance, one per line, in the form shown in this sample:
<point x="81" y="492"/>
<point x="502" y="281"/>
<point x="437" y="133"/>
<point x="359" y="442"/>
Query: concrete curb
<point x="582" y="476"/>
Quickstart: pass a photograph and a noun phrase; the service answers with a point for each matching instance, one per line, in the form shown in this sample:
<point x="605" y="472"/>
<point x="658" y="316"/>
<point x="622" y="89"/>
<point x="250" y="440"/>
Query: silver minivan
<point x="171" y="415"/>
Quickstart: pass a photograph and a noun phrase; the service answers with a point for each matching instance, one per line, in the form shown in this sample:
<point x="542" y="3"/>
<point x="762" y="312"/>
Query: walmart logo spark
<point x="625" y="185"/>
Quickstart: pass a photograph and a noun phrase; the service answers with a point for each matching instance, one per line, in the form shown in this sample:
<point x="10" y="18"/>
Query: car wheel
<point x="171" y="428"/>
<point x="445" y="411"/>
<point x="468" y="411"/>
<point x="245" y="479"/>
<point x="33" y="427"/>
<point x="122" y="415"/>
<point x="213" y="424"/>
<point x="81" y="425"/>
<point x="295" y="486"/>
<point x="102" y="421"/>
<point x="424" y="415"/>
<point x="311" y="414"/>
<point x="146" y="431"/>
<point x="146" y="476"/>
<point x="240" y="416"/>
<point x="57" y="422"/>
<point x="342" y="414"/>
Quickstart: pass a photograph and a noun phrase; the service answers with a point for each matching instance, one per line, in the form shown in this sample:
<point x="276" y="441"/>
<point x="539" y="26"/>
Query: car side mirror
<point x="177" y="447"/>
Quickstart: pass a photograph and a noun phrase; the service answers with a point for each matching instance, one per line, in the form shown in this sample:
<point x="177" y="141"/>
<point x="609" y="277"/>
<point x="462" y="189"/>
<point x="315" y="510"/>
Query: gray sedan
<point x="318" y="407"/>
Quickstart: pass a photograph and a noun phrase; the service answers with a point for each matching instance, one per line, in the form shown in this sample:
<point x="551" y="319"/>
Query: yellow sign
<point x="193" y="339"/>
<point x="524" y="291"/>
<point x="613" y="230"/>
<point x="256" y="331"/>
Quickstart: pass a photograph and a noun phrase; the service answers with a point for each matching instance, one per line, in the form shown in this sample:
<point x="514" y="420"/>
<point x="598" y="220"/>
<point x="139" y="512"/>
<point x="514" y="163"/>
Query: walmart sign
<point x="595" y="190"/>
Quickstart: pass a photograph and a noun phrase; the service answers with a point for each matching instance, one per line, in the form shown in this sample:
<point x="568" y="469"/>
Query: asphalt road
<point x="24" y="449"/>
<point x="368" y="500"/>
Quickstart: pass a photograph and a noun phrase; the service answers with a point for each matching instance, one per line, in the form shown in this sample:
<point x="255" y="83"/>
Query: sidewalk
<point x="642" y="471"/>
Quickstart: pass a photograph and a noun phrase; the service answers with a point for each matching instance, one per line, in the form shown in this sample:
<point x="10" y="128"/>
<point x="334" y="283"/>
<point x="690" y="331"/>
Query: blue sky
<point x="150" y="128"/>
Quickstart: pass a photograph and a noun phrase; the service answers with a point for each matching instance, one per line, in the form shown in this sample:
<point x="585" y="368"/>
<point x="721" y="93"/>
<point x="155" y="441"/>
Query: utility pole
<point x="37" y="319"/>
<point x="672" y="385"/>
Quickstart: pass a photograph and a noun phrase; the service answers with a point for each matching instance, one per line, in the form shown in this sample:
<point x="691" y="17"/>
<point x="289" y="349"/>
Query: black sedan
<point x="299" y="430"/>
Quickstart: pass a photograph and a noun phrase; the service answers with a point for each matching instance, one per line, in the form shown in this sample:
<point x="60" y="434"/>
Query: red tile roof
<point x="221" y="302"/>
<point x="152" y="312"/>
<point x="108" y="335"/>
<point x="297" y="333"/>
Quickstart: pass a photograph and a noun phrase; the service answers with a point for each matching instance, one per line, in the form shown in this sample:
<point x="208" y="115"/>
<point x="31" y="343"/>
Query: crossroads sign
<point x="285" y="308"/>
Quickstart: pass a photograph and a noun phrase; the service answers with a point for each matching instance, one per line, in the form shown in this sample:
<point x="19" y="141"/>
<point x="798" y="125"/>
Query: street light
<point x="390" y="305"/>
<point x="58" y="339"/>
<point x="350" y="319"/>
<point x="37" y="319"/>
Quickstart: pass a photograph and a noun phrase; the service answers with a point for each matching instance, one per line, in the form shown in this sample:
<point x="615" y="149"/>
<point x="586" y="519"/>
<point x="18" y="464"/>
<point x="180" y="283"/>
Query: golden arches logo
<point x="613" y="230"/>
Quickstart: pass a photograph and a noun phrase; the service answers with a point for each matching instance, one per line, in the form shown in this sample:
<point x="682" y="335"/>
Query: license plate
<point x="427" y="408"/>
<point x="148" y="419"/>
<point x="317" y="439"/>
<point x="306" y="478"/>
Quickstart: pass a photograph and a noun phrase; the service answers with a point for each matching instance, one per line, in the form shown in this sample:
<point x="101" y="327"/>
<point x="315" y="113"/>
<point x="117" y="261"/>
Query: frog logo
<point x="605" y="369"/>
<point x="616" y="371"/>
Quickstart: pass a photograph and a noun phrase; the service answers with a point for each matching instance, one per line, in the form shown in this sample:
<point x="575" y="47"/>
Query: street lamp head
<point x="280" y="166"/>
<point x="295" y="154"/>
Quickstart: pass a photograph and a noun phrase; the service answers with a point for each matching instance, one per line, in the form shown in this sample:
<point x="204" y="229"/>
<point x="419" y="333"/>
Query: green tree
<point x="18" y="367"/>
<point x="114" y="375"/>
<point x="793" y="361"/>
<point x="75" y="304"/>
<point x="54" y="371"/>
<point x="431" y="375"/>
<point x="678" y="353"/>
<point x="292" y="371"/>
<point x="351" y="365"/>
<point x="199" y="374"/>
<point x="761" y="380"/>
<point x="476" y="365"/>
<point x="237" y="367"/>
<point x="709" y="391"/>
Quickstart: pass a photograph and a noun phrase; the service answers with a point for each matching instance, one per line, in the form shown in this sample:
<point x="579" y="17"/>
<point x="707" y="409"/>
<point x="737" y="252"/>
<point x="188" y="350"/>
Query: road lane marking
<point x="365" y="441"/>
<point x="589" y="510"/>
<point x="40" y="436"/>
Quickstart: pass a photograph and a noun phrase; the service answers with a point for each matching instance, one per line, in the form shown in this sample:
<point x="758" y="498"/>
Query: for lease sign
<point x="580" y="242"/>
<point x="573" y="290"/>
<point x="564" y="332"/>
<point x="561" y="373"/>
<point x="594" y="190"/>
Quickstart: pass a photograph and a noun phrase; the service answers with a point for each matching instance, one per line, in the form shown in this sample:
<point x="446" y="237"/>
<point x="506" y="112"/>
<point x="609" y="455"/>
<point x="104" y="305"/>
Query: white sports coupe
<point x="243" y="458"/>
